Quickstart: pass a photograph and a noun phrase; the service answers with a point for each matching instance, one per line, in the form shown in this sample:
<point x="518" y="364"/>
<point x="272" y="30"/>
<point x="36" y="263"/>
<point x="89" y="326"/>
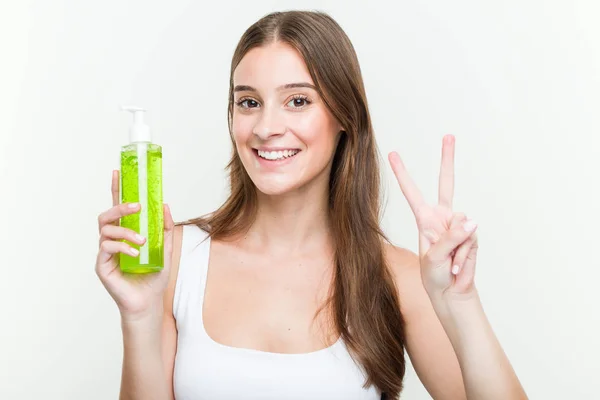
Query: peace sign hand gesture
<point x="447" y="240"/>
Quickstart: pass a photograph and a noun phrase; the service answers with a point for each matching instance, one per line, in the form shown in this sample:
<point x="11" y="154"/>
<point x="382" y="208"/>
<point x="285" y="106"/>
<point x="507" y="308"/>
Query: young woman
<point x="290" y="290"/>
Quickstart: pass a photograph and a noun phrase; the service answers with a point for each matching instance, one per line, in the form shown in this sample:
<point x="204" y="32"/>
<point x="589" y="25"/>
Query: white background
<point x="517" y="82"/>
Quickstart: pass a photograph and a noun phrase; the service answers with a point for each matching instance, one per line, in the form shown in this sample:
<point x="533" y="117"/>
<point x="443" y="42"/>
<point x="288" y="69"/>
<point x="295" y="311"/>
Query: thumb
<point x="450" y="240"/>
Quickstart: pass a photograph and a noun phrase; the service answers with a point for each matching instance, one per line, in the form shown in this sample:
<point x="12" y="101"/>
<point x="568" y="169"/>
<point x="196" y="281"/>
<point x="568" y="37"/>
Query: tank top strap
<point x="191" y="276"/>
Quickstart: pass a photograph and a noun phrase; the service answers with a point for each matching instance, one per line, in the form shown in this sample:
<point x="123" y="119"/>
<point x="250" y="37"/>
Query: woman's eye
<point x="298" y="102"/>
<point x="247" y="103"/>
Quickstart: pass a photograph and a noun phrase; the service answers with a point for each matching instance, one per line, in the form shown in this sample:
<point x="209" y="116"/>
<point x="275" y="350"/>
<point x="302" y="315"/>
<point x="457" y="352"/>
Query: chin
<point x="274" y="188"/>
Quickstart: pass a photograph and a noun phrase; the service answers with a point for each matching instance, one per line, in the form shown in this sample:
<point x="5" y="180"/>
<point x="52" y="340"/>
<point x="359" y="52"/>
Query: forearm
<point x="143" y="375"/>
<point x="486" y="371"/>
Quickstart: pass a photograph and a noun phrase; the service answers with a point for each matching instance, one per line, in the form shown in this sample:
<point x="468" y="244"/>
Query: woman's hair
<point x="363" y="302"/>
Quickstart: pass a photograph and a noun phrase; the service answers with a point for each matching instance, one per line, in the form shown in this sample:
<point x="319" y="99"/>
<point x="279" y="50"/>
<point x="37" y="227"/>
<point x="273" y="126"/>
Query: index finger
<point x="409" y="189"/>
<point x="114" y="214"/>
<point x="446" y="184"/>
<point x="115" y="187"/>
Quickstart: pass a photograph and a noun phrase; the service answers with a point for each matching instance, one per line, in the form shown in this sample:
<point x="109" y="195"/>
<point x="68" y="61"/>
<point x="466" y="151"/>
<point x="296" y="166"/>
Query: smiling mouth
<point x="276" y="155"/>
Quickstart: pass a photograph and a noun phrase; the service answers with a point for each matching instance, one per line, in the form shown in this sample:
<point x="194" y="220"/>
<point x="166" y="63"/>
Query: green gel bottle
<point x="141" y="182"/>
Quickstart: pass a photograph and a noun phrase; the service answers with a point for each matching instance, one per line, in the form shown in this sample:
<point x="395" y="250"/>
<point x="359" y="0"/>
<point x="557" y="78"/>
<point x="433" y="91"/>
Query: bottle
<point x="141" y="182"/>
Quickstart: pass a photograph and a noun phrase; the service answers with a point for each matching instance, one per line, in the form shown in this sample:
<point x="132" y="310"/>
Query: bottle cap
<point x="139" y="131"/>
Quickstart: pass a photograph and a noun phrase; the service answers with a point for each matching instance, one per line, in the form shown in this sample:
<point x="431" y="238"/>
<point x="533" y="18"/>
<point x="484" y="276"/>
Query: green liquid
<point x="141" y="182"/>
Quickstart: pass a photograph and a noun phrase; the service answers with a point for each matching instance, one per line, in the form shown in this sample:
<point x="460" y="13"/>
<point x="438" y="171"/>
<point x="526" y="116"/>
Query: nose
<point x="270" y="123"/>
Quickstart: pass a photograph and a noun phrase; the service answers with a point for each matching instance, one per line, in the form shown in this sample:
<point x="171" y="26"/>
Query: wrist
<point x="449" y="299"/>
<point x="463" y="320"/>
<point x="454" y="309"/>
<point x="148" y="316"/>
<point x="142" y="332"/>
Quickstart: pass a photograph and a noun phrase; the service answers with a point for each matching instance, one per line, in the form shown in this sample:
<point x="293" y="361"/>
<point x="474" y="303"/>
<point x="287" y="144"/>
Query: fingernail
<point x="139" y="237"/>
<point x="470" y="225"/>
<point x="134" y="252"/>
<point x="133" y="205"/>
<point x="455" y="269"/>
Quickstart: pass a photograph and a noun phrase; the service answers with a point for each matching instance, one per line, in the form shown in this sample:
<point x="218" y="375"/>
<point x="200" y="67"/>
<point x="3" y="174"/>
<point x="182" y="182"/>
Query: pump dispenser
<point x="141" y="182"/>
<point x="139" y="131"/>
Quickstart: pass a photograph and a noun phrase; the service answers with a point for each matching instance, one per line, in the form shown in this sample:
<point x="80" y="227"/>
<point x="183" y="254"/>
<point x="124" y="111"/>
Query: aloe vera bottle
<point x="141" y="182"/>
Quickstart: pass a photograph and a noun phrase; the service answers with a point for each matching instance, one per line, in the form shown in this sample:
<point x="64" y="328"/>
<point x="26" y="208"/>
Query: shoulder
<point x="405" y="269"/>
<point x="174" y="269"/>
<point x="399" y="258"/>
<point x="402" y="263"/>
<point x="169" y="325"/>
<point x="178" y="232"/>
<point x="185" y="238"/>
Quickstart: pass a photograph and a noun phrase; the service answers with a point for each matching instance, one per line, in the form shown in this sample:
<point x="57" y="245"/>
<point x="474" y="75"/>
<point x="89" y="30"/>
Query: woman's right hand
<point x="137" y="296"/>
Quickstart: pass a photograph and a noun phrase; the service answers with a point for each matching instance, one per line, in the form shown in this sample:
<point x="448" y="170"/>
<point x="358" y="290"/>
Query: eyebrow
<point x="246" y="88"/>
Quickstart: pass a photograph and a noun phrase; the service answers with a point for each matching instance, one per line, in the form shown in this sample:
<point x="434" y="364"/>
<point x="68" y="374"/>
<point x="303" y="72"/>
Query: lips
<point x="274" y="155"/>
<point x="278" y="158"/>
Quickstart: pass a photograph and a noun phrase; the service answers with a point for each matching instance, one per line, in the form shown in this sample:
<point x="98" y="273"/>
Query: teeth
<point x="277" y="155"/>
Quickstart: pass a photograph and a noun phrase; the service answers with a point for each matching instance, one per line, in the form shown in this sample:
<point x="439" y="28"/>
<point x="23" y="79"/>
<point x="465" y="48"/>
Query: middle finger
<point x="113" y="214"/>
<point x="112" y="232"/>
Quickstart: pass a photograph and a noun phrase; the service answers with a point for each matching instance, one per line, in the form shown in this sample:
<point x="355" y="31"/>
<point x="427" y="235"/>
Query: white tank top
<point x="207" y="370"/>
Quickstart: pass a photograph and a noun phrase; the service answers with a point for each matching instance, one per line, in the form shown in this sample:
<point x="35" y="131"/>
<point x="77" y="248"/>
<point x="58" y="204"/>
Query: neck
<point x="292" y="223"/>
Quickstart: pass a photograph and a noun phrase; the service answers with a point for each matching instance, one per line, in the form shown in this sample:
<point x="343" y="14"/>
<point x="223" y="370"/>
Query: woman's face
<point x="284" y="134"/>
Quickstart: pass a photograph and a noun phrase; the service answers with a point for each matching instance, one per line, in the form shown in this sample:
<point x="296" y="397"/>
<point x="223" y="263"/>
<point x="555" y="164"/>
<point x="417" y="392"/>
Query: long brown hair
<point x="363" y="301"/>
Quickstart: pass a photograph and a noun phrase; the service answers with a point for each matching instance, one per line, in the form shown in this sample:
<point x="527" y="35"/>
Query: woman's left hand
<point x="447" y="240"/>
